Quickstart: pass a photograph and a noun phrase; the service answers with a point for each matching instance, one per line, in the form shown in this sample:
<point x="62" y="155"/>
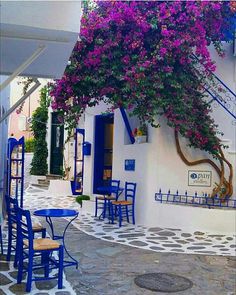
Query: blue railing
<point x="194" y="200"/>
<point x="219" y="91"/>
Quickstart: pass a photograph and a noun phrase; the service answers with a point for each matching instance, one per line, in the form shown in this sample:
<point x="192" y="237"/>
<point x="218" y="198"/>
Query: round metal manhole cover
<point x="163" y="282"/>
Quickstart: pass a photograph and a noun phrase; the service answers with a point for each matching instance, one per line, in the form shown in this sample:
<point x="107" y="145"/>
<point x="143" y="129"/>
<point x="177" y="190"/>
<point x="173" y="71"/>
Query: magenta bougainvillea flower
<point x="138" y="55"/>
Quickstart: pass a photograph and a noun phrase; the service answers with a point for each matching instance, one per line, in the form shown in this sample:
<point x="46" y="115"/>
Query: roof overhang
<point x="18" y="43"/>
<point x="27" y="26"/>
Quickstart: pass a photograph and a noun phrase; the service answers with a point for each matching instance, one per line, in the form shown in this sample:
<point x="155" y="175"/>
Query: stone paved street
<point x="110" y="268"/>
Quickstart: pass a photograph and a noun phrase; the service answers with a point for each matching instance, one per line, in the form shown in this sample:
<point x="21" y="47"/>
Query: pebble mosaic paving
<point x="9" y="286"/>
<point x="155" y="239"/>
<point x="8" y="275"/>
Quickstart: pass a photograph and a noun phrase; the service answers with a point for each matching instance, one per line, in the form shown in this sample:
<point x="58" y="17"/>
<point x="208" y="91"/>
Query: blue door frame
<point x="102" y="152"/>
<point x="77" y="183"/>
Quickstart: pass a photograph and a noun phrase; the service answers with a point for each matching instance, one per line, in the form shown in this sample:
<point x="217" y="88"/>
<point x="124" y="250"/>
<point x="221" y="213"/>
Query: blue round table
<point x="108" y="190"/>
<point x="49" y="213"/>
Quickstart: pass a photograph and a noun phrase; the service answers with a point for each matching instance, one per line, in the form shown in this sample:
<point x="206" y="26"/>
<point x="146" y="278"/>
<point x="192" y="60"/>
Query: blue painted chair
<point x="30" y="248"/>
<point x="1" y="242"/>
<point x="111" y="193"/>
<point x="125" y="207"/>
<point x="12" y="209"/>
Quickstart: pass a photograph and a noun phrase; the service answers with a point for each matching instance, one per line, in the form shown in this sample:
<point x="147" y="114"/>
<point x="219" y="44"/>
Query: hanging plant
<point x="138" y="55"/>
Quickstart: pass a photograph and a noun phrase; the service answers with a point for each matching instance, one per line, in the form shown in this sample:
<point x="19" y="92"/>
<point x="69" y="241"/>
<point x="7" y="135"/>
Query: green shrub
<point x="29" y="145"/>
<point x="81" y="198"/>
<point x="39" y="165"/>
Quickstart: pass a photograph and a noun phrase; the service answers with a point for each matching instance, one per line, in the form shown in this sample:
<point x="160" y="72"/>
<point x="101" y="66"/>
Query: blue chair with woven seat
<point x="12" y="210"/>
<point x="111" y="192"/>
<point x="125" y="207"/>
<point x="30" y="248"/>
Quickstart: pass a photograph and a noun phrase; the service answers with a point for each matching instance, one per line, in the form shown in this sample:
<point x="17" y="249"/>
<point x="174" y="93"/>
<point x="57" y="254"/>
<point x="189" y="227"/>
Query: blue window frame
<point x="103" y="151"/>
<point x="77" y="183"/>
<point x="15" y="168"/>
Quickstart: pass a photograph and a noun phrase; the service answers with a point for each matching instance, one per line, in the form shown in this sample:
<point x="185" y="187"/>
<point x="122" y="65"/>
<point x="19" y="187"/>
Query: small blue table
<point x="49" y="213"/>
<point x="108" y="190"/>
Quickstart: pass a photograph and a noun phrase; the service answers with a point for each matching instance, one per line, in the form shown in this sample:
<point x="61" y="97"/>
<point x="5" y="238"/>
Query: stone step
<point x="40" y="185"/>
<point x="53" y="176"/>
<point x="44" y="181"/>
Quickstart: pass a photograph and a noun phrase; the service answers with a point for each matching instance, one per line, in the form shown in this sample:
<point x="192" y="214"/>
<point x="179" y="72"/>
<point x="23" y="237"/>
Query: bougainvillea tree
<point x="140" y="55"/>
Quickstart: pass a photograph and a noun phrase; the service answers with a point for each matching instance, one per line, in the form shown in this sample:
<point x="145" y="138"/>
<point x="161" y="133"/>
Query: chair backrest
<point x="115" y="184"/>
<point x="24" y="227"/>
<point x="130" y="191"/>
<point x="12" y="209"/>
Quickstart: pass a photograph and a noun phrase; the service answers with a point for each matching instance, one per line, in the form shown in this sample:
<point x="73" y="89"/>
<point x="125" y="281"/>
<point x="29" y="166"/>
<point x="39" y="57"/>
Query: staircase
<point x="218" y="91"/>
<point x="220" y="95"/>
<point x="44" y="183"/>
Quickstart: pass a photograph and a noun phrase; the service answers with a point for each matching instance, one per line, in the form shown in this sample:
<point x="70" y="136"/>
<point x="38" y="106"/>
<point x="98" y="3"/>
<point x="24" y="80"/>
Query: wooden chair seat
<point x="35" y="226"/>
<point x="43" y="244"/>
<point x="122" y="203"/>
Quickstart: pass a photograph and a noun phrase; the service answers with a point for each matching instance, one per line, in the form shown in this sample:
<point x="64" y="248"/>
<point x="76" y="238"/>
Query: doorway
<point x="103" y="151"/>
<point x="57" y="142"/>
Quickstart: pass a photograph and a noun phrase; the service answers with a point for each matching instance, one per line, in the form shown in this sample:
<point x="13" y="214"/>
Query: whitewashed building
<point x="157" y="164"/>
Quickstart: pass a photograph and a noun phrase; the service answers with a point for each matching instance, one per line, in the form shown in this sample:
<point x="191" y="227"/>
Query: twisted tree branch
<point x="220" y="171"/>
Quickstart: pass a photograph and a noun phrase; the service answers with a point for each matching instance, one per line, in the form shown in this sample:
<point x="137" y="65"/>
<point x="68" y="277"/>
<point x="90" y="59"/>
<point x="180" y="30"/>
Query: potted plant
<point x="81" y="198"/>
<point x="140" y="134"/>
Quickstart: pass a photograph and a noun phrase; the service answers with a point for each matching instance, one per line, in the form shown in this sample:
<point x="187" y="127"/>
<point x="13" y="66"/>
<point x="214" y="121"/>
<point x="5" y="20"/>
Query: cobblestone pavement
<point x="110" y="268"/>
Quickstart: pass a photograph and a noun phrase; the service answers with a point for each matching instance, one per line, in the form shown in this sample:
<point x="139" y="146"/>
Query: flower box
<point x="141" y="139"/>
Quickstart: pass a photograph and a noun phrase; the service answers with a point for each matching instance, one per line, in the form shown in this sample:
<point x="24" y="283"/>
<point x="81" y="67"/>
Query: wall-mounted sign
<point x="129" y="165"/>
<point x="199" y="178"/>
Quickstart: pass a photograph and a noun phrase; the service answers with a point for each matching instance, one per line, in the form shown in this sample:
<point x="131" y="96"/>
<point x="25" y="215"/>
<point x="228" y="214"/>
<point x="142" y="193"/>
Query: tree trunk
<point x="226" y="184"/>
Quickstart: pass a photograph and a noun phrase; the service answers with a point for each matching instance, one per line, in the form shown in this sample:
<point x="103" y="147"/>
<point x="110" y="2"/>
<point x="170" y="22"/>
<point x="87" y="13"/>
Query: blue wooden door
<point x="103" y="151"/>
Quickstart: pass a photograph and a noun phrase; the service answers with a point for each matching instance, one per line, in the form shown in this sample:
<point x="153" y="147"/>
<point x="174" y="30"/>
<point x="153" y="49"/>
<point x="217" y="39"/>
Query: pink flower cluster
<point x="138" y="53"/>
